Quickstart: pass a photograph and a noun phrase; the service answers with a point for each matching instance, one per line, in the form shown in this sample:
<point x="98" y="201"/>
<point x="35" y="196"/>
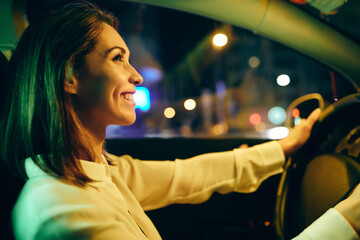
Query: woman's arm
<point x="350" y="209"/>
<point x="159" y="183"/>
<point x="341" y="222"/>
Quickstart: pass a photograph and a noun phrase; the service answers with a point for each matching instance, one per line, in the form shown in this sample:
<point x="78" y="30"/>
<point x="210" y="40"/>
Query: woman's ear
<point x="71" y="85"/>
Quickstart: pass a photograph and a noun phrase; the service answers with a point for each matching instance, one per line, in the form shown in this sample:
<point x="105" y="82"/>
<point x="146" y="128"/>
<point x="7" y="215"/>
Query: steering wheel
<point x="323" y="171"/>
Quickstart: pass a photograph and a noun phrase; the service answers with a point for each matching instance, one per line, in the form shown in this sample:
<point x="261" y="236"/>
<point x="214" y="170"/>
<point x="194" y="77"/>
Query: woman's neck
<point x="95" y="137"/>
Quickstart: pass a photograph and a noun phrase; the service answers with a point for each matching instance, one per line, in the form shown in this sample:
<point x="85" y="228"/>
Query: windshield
<point x="204" y="78"/>
<point x="192" y="87"/>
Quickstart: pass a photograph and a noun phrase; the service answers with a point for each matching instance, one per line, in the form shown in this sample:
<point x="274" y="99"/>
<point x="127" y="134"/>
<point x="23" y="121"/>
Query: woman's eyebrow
<point x="123" y="51"/>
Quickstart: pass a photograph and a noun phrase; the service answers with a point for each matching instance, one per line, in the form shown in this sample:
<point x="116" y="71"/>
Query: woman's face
<point x="106" y="83"/>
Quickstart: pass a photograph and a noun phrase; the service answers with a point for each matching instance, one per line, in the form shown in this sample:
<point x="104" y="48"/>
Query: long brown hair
<point x="39" y="117"/>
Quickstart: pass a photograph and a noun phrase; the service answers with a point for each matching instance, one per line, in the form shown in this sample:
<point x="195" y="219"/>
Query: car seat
<point x="11" y="185"/>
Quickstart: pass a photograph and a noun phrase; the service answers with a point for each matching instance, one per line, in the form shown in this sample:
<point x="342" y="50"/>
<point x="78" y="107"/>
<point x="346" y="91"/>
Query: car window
<point x="194" y="88"/>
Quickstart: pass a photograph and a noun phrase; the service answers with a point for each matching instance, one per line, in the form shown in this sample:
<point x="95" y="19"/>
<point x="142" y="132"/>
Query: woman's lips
<point x="127" y="96"/>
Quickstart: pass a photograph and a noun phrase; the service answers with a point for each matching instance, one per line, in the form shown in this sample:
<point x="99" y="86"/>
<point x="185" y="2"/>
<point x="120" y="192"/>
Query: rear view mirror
<point x="301" y="108"/>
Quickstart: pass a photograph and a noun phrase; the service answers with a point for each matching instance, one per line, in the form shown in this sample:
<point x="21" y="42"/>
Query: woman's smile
<point x="128" y="96"/>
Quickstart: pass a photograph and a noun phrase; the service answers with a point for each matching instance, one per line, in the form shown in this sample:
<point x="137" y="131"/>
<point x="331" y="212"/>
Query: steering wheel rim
<point x="322" y="172"/>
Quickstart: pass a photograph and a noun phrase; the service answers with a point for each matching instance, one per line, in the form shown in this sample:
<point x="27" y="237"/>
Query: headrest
<point x="4" y="66"/>
<point x="4" y="71"/>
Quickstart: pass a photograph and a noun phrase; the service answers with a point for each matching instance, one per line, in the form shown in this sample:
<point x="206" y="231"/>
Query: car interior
<point x="275" y="62"/>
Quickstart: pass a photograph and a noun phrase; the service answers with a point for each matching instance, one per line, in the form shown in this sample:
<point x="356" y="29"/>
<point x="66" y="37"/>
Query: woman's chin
<point x="127" y="122"/>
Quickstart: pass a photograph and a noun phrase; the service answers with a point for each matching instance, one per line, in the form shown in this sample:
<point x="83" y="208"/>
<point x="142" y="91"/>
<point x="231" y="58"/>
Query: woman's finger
<point x="314" y="116"/>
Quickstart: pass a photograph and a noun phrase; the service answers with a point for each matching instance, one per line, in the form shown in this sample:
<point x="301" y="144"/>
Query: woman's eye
<point x="118" y="57"/>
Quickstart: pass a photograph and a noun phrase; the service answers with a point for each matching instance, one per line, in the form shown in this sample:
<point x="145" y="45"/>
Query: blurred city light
<point x="297" y="121"/>
<point x="299" y="1"/>
<point x="277" y="115"/>
<point x="220" y="89"/>
<point x="283" y="80"/>
<point x="220" y="128"/>
<point x="254" y="119"/>
<point x="142" y="98"/>
<point x="254" y="62"/>
<point x="169" y="112"/>
<point x="190" y="104"/>
<point x="260" y="127"/>
<point x="151" y="74"/>
<point x="277" y="133"/>
<point x="295" y="113"/>
<point x="220" y="40"/>
<point x="111" y="130"/>
<point x="186" y="130"/>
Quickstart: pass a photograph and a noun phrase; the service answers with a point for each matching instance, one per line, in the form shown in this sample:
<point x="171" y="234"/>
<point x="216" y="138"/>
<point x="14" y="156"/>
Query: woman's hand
<point x="350" y="208"/>
<point x="299" y="134"/>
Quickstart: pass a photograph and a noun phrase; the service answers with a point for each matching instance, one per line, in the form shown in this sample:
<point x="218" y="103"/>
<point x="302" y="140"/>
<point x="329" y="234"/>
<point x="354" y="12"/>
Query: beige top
<point x="113" y="206"/>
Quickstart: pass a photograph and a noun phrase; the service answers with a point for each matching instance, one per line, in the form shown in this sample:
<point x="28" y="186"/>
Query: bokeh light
<point x="190" y="104"/>
<point x="220" y="128"/>
<point x="278" y="133"/>
<point x="142" y="98"/>
<point x="151" y="74"/>
<point x="295" y="113"/>
<point x="169" y="112"/>
<point x="297" y="121"/>
<point x="254" y="119"/>
<point x="283" y="80"/>
<point x="277" y="115"/>
<point x="185" y="131"/>
<point x="220" y="40"/>
<point x="260" y="127"/>
<point x="254" y="62"/>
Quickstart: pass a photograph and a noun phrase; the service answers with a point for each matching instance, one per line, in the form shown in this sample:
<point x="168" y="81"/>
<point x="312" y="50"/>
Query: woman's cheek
<point x="97" y="91"/>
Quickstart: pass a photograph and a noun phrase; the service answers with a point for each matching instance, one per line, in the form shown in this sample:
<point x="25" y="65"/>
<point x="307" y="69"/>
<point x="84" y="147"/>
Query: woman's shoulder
<point x="113" y="159"/>
<point x="42" y="190"/>
<point x="48" y="202"/>
<point x="47" y="190"/>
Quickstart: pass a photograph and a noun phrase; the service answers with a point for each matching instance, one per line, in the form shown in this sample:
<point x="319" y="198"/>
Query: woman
<point x="71" y="78"/>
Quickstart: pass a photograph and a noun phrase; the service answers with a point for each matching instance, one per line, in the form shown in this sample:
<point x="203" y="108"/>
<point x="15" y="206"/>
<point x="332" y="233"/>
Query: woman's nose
<point x="135" y="77"/>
